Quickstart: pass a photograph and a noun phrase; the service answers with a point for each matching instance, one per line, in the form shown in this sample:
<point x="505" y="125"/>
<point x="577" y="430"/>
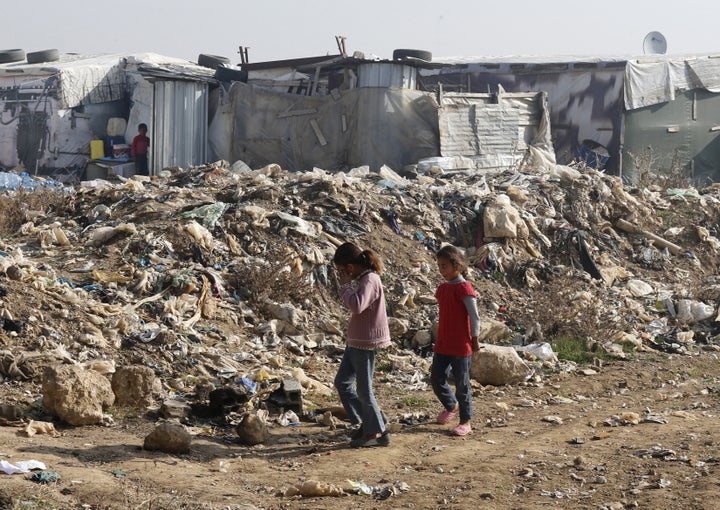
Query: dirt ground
<point x="571" y="441"/>
<point x="622" y="433"/>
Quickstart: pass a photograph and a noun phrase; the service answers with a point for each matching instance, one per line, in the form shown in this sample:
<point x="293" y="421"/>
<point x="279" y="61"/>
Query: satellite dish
<point x="654" y="43"/>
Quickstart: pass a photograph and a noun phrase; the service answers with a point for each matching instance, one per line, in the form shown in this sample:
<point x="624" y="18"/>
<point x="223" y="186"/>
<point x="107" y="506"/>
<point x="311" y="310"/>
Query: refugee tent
<point x="50" y="111"/>
<point x="624" y="113"/>
<point x="357" y="111"/>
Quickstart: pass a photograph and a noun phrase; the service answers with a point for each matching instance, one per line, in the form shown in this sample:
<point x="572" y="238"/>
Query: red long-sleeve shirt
<point x="454" y="330"/>
<point x="139" y="145"/>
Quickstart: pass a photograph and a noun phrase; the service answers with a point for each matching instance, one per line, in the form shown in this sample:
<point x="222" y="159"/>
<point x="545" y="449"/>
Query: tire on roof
<point x="36" y="57"/>
<point x="403" y="54"/>
<point x="223" y="73"/>
<point x="212" y="61"/>
<point x="7" y="56"/>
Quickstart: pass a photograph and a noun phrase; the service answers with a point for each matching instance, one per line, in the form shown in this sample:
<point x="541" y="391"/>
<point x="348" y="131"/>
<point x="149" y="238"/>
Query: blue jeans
<point x="354" y="385"/>
<point x="439" y="371"/>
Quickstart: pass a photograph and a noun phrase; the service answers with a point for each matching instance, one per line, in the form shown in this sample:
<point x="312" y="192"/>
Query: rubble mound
<point x="214" y="274"/>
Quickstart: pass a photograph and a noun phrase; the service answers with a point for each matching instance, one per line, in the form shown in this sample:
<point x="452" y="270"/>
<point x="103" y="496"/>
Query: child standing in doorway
<point x="362" y="292"/>
<point x="139" y="150"/>
<point x="457" y="339"/>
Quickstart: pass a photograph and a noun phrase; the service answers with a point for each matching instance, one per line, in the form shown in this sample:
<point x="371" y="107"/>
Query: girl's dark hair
<point x="454" y="256"/>
<point x="348" y="253"/>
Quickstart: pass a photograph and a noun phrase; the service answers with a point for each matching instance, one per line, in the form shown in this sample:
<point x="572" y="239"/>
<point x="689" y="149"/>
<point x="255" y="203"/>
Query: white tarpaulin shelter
<point x="49" y="112"/>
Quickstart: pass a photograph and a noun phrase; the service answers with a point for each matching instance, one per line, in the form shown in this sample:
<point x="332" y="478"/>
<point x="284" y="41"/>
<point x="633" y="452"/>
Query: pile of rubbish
<point x="218" y="277"/>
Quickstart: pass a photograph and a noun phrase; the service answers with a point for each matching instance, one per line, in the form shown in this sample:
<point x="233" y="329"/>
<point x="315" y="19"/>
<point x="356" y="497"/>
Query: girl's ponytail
<point x="371" y="260"/>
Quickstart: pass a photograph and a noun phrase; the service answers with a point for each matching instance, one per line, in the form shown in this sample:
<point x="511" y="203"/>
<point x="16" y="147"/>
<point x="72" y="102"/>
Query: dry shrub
<point x="651" y="172"/>
<point x="563" y="315"/>
<point x="12" y="215"/>
<point x="15" y="207"/>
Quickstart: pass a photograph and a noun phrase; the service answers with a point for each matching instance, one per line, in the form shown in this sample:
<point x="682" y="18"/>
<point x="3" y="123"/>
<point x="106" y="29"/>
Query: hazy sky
<point x="281" y="29"/>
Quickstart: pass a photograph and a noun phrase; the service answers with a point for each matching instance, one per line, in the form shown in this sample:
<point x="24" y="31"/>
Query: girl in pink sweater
<point x="362" y="292"/>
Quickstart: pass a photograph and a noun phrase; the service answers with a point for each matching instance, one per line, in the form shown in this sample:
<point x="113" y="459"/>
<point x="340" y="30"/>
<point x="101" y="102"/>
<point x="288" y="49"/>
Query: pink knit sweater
<point x="368" y="327"/>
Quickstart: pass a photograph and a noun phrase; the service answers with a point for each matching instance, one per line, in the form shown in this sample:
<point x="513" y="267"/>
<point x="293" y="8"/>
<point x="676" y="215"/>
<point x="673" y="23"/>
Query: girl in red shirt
<point x="457" y="339"/>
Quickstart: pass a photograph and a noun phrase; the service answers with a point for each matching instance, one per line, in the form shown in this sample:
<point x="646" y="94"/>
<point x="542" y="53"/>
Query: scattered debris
<point x="314" y="488"/>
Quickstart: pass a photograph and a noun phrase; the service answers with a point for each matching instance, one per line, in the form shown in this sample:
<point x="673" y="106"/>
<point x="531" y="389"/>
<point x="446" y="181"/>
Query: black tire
<point x="412" y="54"/>
<point x="230" y="74"/>
<point x="7" y="56"/>
<point x="212" y="61"/>
<point x="36" y="57"/>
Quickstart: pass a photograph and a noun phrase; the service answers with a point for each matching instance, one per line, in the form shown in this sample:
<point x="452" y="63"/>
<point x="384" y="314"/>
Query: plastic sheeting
<point x="101" y="78"/>
<point x="35" y="131"/>
<point x="648" y="80"/>
<point x="368" y="126"/>
<point x="374" y="127"/>
<point x="94" y="81"/>
<point x="657" y="81"/>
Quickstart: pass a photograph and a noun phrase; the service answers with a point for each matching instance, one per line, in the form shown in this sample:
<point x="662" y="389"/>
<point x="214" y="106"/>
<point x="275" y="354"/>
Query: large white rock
<point x="134" y="386"/>
<point x="498" y="365"/>
<point x="252" y="429"/>
<point x="168" y="437"/>
<point x="75" y="395"/>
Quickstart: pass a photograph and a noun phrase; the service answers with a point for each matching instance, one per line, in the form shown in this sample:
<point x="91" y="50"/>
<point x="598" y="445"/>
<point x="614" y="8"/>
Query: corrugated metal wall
<point x="180" y="123"/>
<point x="493" y="129"/>
<point x="387" y="75"/>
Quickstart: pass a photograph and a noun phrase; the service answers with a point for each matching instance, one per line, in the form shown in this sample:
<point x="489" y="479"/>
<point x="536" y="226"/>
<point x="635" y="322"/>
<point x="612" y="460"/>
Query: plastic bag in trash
<point x="693" y="311"/>
<point x="542" y="351"/>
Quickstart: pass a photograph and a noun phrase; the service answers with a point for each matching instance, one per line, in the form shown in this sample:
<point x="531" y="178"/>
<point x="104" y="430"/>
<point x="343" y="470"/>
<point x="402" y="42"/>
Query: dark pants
<point x="141" y="164"/>
<point x="439" y="372"/>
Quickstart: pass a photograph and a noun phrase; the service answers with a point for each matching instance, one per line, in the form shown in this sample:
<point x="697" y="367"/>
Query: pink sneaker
<point x="462" y="430"/>
<point x="446" y="416"/>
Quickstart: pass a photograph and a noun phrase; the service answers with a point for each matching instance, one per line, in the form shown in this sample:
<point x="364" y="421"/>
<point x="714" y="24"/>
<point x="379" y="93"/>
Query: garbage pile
<point x="218" y="276"/>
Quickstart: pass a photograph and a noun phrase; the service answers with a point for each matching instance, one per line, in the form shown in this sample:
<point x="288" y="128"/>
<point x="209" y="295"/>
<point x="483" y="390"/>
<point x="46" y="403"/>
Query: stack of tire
<point x="223" y="71"/>
<point x="34" y="57"/>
